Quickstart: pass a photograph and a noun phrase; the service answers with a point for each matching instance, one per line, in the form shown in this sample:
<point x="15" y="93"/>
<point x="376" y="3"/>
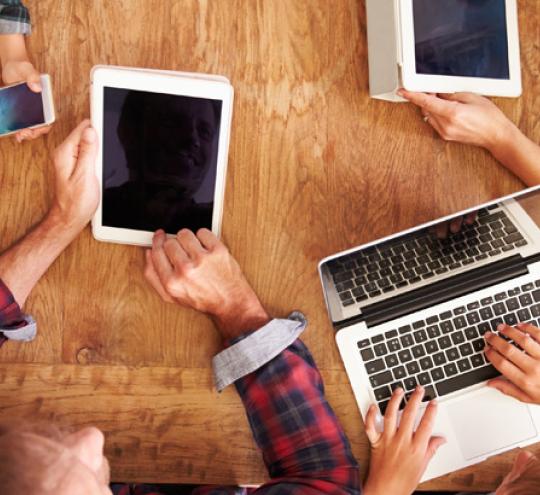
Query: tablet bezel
<point x="413" y="81"/>
<point x="185" y="84"/>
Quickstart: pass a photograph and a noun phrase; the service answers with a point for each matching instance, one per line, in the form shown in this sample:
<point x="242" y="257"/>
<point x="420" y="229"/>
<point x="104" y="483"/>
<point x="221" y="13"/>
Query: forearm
<point x="12" y="48"/>
<point x="518" y="154"/>
<point x="303" y="444"/>
<point x="24" y="264"/>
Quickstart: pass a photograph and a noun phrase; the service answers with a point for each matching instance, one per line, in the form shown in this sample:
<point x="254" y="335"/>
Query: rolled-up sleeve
<point x="14" y="324"/>
<point x="14" y="18"/>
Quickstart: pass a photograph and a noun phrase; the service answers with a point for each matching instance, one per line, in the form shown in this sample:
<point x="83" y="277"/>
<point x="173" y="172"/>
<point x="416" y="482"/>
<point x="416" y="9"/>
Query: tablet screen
<point x="465" y="38"/>
<point x="159" y="160"/>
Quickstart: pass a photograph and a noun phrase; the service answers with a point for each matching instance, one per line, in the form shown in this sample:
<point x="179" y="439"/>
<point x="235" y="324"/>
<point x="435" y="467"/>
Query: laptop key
<point x="486" y="313"/>
<point x="446" y="327"/>
<point x="444" y="342"/>
<point x="375" y="366"/>
<point x="479" y="345"/>
<point x="460" y="322"/>
<point x="404" y="329"/>
<point x="450" y="369"/>
<point x="410" y="383"/>
<point x="460" y="311"/>
<point x="407" y="340"/>
<point x="367" y="354"/>
<point x="525" y="299"/>
<point x="486" y="301"/>
<point x="524" y="315"/>
<point x="511" y="319"/>
<point x="424" y="379"/>
<point x="399" y="372"/>
<point x="433" y="331"/>
<point x="380" y="349"/>
<point x="445" y="315"/>
<point x="418" y="351"/>
<point x="466" y="350"/>
<point x="345" y="296"/>
<point x="477" y="360"/>
<point x="429" y="394"/>
<point x="452" y="354"/>
<point x="460" y="382"/>
<point x="382" y="406"/>
<point x="535" y="310"/>
<point x="437" y="374"/>
<point x="499" y="309"/>
<point x="381" y="379"/>
<point x="439" y="359"/>
<point x="393" y="345"/>
<point x="473" y="318"/>
<point x="382" y="393"/>
<point x="464" y="365"/>
<point x="512" y="304"/>
<point x="391" y="360"/>
<point x="363" y="343"/>
<point x="458" y="338"/>
<point x="413" y="368"/>
<point x="405" y="356"/>
<point x="431" y="346"/>
<point x="377" y="338"/>
<point x="420" y="336"/>
<point x="471" y="333"/>
<point x="426" y="363"/>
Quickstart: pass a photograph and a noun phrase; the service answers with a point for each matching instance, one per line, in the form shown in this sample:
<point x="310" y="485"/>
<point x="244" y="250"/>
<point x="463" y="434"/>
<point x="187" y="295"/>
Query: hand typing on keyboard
<point x="445" y="229"/>
<point x="400" y="455"/>
<point x="520" y="370"/>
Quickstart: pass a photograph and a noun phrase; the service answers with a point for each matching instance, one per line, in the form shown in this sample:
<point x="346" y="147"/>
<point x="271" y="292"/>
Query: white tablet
<point x="450" y="46"/>
<point x="163" y="158"/>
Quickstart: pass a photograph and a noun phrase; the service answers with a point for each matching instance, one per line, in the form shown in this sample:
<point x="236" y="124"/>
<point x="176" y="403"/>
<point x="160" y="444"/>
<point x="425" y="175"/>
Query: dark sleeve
<point x="303" y="444"/>
<point x="14" y="17"/>
<point x="10" y="313"/>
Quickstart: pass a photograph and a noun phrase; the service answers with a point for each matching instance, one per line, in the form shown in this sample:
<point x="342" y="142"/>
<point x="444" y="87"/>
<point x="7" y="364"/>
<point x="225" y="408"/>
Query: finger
<point x="441" y="230"/>
<point x="175" y="253"/>
<point x="189" y="242"/>
<point x="391" y="415"/>
<point x="87" y="153"/>
<point x="425" y="427"/>
<point x="509" y="352"/>
<point x="152" y="277"/>
<point x="68" y="152"/>
<point x="460" y="97"/>
<point x="508" y="388"/>
<point x="524" y="340"/>
<point x="532" y="330"/>
<point x="410" y="413"/>
<point x="160" y="260"/>
<point x="22" y="135"/>
<point x="456" y="224"/>
<point x="438" y="126"/>
<point x="471" y="218"/>
<point x="435" y="443"/>
<point x="431" y="103"/>
<point x="371" y="428"/>
<point x="505" y="367"/>
<point x="34" y="81"/>
<point x="208" y="239"/>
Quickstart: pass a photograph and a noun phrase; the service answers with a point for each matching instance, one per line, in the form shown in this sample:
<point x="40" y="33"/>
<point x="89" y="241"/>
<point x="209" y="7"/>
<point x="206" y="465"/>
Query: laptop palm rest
<point x="489" y="421"/>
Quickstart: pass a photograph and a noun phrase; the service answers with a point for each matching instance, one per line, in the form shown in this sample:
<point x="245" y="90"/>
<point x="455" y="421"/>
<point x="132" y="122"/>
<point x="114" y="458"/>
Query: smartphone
<point x="21" y="108"/>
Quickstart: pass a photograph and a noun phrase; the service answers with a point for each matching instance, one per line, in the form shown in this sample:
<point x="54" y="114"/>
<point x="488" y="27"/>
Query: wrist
<point x="63" y="227"/>
<point x="244" y="317"/>
<point x="13" y="49"/>
<point x="504" y="140"/>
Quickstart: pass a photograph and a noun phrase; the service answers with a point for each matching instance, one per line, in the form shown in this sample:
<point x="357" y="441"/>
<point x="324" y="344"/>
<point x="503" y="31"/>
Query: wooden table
<point x="315" y="167"/>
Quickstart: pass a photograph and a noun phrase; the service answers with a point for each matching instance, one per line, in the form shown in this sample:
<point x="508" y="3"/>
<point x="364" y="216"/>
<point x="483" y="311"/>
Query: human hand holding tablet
<point x="165" y="140"/>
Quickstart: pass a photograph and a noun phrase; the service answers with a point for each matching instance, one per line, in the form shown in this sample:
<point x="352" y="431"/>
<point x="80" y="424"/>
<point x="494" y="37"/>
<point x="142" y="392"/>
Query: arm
<point x="473" y="119"/>
<point x="16" y="65"/>
<point x="303" y="445"/>
<point x="76" y="199"/>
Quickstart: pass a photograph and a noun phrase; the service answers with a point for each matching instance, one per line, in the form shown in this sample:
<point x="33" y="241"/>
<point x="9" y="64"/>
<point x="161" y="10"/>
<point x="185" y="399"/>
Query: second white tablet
<point x="164" y="143"/>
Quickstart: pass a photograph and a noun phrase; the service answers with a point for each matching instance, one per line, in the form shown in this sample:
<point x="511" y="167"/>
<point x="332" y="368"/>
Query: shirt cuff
<point x="24" y="333"/>
<point x="256" y="349"/>
<point x="15" y="27"/>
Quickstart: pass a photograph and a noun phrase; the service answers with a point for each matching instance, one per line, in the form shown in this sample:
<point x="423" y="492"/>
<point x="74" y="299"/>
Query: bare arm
<point x="473" y="119"/>
<point x="77" y="195"/>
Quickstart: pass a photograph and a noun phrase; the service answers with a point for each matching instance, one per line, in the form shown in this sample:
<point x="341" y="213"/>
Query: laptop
<point x="412" y="309"/>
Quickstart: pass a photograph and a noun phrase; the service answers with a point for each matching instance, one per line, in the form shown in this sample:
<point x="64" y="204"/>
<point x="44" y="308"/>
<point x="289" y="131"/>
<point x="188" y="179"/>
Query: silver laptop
<point x="413" y="308"/>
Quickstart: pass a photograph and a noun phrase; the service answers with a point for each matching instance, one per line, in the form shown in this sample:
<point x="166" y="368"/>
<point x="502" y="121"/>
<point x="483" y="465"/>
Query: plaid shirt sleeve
<point x="14" y="18"/>
<point x="10" y="314"/>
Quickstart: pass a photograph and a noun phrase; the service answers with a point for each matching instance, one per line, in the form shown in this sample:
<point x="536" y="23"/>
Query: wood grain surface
<point x="315" y="166"/>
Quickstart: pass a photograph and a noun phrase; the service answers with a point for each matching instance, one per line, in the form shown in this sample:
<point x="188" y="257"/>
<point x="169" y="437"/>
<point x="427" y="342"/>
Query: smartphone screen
<point x="20" y="108"/>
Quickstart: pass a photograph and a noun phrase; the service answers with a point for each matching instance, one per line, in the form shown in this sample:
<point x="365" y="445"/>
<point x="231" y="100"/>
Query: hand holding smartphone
<point x="21" y="108"/>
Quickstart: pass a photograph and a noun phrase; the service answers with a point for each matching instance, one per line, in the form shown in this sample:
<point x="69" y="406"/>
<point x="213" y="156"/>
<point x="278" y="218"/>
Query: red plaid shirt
<point x="302" y="443"/>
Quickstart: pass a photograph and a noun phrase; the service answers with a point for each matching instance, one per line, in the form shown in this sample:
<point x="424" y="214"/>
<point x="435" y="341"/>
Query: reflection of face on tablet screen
<point x="159" y="160"/>
<point x="466" y="38"/>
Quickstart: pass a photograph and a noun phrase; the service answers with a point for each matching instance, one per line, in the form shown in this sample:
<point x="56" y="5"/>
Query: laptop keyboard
<point x="393" y="265"/>
<point x="445" y="353"/>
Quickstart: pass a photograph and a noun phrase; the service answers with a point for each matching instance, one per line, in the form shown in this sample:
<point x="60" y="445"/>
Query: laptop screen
<point x="507" y="228"/>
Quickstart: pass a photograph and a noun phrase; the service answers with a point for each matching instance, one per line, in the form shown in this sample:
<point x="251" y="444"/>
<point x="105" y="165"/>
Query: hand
<point x="444" y="229"/>
<point x="524" y="476"/>
<point x="521" y="370"/>
<point x="200" y="273"/>
<point x="17" y="71"/>
<point x="400" y="455"/>
<point x="77" y="188"/>
<point x="463" y="117"/>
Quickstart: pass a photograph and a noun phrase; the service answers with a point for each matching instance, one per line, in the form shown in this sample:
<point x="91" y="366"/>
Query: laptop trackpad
<point x="489" y="421"/>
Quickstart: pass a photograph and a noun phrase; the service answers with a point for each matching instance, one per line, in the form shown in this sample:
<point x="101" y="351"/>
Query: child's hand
<point x="400" y="455"/>
<point x="23" y="71"/>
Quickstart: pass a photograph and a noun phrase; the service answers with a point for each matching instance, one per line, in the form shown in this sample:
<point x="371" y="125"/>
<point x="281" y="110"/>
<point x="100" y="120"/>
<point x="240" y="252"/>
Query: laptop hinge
<point x="444" y="290"/>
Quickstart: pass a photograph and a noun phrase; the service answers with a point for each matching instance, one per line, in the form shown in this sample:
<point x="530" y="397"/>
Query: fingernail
<point x="488" y="335"/>
<point x="398" y="391"/>
<point x="501" y="327"/>
<point x="434" y="403"/>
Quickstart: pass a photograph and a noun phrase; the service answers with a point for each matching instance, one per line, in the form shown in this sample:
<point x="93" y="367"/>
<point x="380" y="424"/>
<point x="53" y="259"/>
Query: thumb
<point x="34" y="81"/>
<point x="88" y="148"/>
<point x="507" y="388"/>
